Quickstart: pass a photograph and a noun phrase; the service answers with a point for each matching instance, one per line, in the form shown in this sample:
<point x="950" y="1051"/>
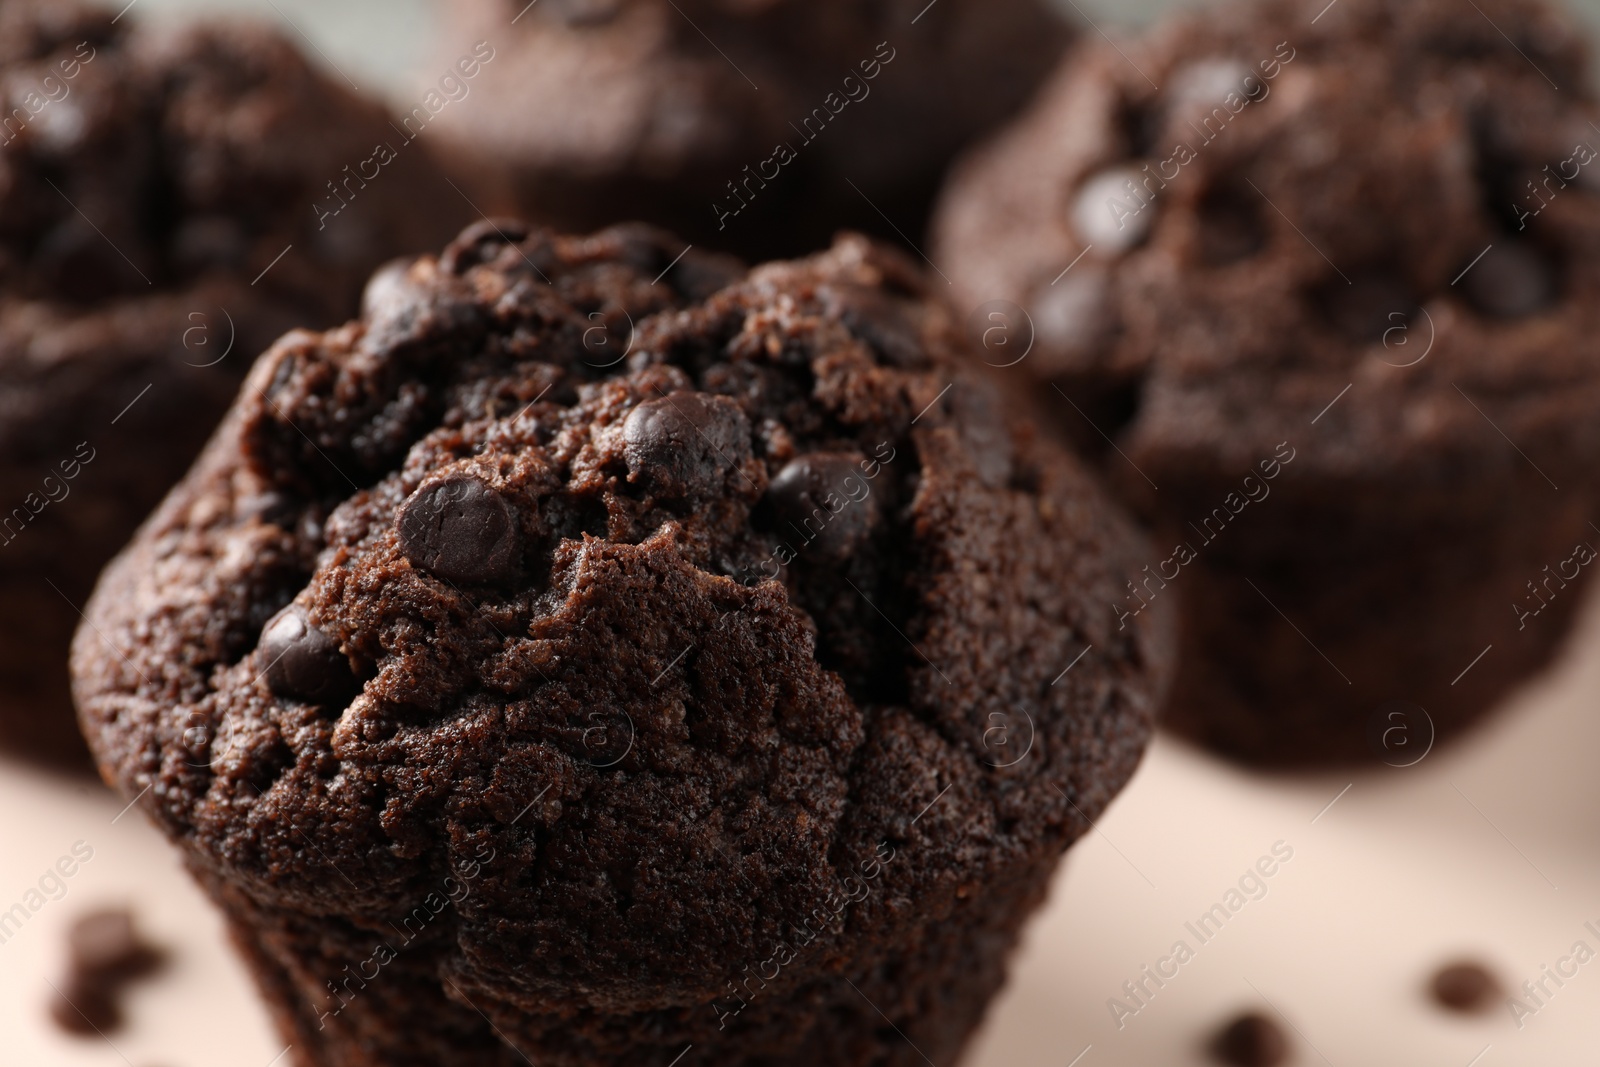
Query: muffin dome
<point x="683" y="626"/>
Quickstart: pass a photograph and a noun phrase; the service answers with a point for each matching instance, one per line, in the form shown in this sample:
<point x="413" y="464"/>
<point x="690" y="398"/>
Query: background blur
<point x="1487" y="850"/>
<point x="387" y="45"/>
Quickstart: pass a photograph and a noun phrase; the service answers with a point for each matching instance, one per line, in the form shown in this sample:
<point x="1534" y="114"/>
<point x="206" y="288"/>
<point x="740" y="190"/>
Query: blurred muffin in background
<point x="1323" y="297"/>
<point x="170" y="202"/>
<point x="756" y="126"/>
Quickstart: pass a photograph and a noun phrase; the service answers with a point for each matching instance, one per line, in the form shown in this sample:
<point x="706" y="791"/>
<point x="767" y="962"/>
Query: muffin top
<point x="663" y="598"/>
<point x="1394" y="196"/>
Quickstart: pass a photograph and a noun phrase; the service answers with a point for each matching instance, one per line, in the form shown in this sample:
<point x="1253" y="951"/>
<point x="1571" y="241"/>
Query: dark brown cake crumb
<point x="1465" y="986"/>
<point x="104" y="954"/>
<point x="1251" y="1040"/>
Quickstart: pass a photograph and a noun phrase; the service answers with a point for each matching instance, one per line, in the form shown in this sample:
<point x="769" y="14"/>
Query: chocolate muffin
<point x="163" y="217"/>
<point x="757" y="127"/>
<point x="1321" y="295"/>
<point x="567" y="661"/>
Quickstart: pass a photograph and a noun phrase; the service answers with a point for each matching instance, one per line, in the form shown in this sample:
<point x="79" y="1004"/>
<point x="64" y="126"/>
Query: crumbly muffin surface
<point x="685" y="639"/>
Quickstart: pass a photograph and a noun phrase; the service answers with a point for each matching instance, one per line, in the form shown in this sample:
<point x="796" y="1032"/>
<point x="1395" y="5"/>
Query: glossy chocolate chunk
<point x="826" y="499"/>
<point x="301" y="662"/>
<point x="684" y="445"/>
<point x="460" y="530"/>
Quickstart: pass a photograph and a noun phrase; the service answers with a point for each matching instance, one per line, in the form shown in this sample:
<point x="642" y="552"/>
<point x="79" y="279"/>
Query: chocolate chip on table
<point x="460" y="530"/>
<point x="300" y="661"/>
<point x="105" y="944"/>
<point x="1465" y="986"/>
<point x="85" y="1008"/>
<point x="682" y="445"/>
<point x="104" y="953"/>
<point x="825" y="499"/>
<point x="1512" y="280"/>
<point x="1251" y="1040"/>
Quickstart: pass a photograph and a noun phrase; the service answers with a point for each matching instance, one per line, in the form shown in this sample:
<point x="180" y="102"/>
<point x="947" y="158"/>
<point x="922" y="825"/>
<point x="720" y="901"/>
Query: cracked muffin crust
<point x="583" y="690"/>
<point x="1369" y="242"/>
<point x="742" y="124"/>
<point x="157" y="232"/>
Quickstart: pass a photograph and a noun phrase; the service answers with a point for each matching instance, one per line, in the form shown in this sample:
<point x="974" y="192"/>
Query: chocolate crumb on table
<point x="104" y="954"/>
<point x="1251" y="1040"/>
<point x="1466" y="986"/>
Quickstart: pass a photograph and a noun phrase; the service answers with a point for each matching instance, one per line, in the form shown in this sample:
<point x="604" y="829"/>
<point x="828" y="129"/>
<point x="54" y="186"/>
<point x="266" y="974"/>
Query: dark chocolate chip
<point x="880" y="322"/>
<point x="461" y="530"/>
<point x="1466" y="987"/>
<point x="826" y="500"/>
<point x="104" y="951"/>
<point x="684" y="445"/>
<point x="1251" y="1040"/>
<point x="85" y="1007"/>
<point x="301" y="662"/>
<point x="1369" y="307"/>
<point x="105" y="945"/>
<point x="1510" y="281"/>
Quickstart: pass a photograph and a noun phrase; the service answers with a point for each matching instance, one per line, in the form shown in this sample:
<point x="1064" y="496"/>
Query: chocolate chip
<point x="684" y="445"/>
<point x="85" y="1008"/>
<point x="104" y="952"/>
<point x="1466" y="987"/>
<point x="827" y="500"/>
<point x="105" y="945"/>
<point x="460" y="530"/>
<point x="1510" y="281"/>
<point x="1251" y="1040"/>
<point x="1204" y="84"/>
<point x="1366" y="309"/>
<point x="879" y="321"/>
<point x="1114" y="209"/>
<point x="301" y="662"/>
<point x="1076" y="317"/>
